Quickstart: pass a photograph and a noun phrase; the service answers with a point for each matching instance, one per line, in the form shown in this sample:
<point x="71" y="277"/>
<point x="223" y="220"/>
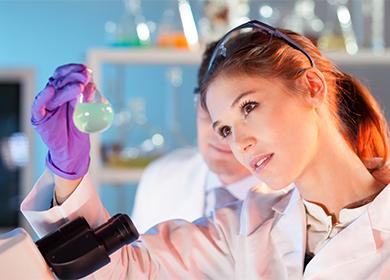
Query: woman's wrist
<point x="64" y="188"/>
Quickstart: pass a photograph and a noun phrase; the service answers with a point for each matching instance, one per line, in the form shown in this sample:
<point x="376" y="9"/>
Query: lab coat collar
<point x="289" y="238"/>
<point x="354" y="242"/>
<point x="379" y="218"/>
<point x="286" y="201"/>
<point x="288" y="234"/>
<point x="257" y="207"/>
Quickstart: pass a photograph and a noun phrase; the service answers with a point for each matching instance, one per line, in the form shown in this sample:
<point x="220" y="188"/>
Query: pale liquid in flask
<point x="93" y="117"/>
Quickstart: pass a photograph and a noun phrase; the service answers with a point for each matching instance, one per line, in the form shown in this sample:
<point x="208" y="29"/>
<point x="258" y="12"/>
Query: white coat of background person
<point x="265" y="238"/>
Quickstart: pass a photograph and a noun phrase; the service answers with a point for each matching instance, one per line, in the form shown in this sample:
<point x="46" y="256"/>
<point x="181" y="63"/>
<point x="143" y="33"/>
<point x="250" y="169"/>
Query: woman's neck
<point x="336" y="178"/>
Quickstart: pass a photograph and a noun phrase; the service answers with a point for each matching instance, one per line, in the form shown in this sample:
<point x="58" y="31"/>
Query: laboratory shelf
<point x="144" y="56"/>
<point x="183" y="56"/>
<point x="97" y="57"/>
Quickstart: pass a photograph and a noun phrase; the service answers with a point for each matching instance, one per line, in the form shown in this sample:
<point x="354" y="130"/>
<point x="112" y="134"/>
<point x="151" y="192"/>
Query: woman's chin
<point x="273" y="183"/>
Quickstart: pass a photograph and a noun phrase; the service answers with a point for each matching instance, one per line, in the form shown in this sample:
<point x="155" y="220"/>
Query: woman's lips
<point x="260" y="161"/>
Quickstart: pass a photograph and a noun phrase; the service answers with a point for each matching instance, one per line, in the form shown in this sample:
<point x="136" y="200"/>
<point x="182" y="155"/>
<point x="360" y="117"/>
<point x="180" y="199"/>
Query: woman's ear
<point x="314" y="81"/>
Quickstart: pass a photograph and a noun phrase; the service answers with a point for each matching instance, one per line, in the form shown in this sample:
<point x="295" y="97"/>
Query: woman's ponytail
<point x="361" y="118"/>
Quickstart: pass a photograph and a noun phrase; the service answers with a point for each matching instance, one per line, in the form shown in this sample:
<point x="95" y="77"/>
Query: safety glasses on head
<point x="221" y="51"/>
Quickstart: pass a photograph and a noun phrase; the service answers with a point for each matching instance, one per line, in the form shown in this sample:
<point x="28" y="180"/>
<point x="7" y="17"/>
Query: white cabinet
<point x="96" y="58"/>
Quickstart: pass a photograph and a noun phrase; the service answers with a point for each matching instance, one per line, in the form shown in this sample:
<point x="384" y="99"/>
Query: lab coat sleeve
<point x="171" y="250"/>
<point x="83" y="202"/>
<point x="177" y="249"/>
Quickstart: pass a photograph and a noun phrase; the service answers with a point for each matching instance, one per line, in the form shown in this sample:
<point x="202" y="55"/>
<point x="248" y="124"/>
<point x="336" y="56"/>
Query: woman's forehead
<point x="229" y="87"/>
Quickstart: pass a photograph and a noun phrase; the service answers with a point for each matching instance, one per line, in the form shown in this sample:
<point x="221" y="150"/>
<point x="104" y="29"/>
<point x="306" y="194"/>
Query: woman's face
<point x="271" y="132"/>
<point x="216" y="152"/>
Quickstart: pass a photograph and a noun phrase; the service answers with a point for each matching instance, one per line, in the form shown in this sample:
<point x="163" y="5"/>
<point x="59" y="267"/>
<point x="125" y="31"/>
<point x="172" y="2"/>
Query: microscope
<point x="72" y="252"/>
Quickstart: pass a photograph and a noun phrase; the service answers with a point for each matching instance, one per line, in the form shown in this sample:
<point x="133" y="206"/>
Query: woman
<point x="290" y="116"/>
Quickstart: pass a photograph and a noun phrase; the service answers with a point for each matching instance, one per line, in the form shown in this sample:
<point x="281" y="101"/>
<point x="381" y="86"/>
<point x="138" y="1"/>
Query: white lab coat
<point x="171" y="187"/>
<point x="174" y="187"/>
<point x="262" y="238"/>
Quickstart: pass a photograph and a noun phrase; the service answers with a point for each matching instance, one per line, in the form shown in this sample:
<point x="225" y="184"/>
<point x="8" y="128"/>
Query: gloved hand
<point x="52" y="112"/>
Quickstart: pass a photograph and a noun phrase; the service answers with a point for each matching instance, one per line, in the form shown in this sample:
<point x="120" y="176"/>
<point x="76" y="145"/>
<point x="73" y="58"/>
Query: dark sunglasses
<point x="220" y="49"/>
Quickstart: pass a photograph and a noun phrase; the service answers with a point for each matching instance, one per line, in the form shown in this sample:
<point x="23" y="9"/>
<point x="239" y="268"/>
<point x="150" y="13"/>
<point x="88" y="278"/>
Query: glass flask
<point x="132" y="30"/>
<point x="139" y="141"/>
<point x="93" y="112"/>
<point x="177" y="28"/>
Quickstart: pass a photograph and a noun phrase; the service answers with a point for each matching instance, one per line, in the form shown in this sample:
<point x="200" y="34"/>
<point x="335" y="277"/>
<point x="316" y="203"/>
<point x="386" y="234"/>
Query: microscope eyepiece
<point x="75" y="250"/>
<point x="116" y="232"/>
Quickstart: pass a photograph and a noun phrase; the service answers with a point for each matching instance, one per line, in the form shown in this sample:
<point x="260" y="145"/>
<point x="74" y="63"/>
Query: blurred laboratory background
<point x="144" y="55"/>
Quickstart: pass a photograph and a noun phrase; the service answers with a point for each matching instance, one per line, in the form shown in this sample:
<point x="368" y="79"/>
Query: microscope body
<point x="71" y="252"/>
<point x="20" y="257"/>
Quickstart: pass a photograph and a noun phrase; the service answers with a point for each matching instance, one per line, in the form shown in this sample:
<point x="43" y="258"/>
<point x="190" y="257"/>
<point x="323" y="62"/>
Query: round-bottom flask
<point x="93" y="112"/>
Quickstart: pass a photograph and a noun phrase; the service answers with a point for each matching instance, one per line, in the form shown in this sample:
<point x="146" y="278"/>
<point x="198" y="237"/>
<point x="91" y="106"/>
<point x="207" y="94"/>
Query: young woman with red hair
<point x="290" y="116"/>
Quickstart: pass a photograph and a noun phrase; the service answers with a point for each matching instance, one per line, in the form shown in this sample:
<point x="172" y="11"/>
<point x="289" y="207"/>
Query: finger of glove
<point x="74" y="77"/>
<point x="73" y="103"/>
<point x="66" y="94"/>
<point x="38" y="110"/>
<point x="89" y="92"/>
<point x="66" y="69"/>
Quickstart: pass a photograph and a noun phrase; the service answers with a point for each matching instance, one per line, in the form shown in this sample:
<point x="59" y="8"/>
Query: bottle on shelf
<point x="132" y="30"/>
<point x="177" y="28"/>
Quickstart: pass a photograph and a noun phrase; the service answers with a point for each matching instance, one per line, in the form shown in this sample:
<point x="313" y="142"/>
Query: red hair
<point x="357" y="114"/>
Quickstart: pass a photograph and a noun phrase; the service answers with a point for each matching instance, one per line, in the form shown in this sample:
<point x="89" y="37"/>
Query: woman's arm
<point x="64" y="188"/>
<point x="178" y="249"/>
<point x="172" y="250"/>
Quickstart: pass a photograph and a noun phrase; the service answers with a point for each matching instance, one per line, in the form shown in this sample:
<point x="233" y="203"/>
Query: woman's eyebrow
<point x="215" y="124"/>
<point x="236" y="100"/>
<point x="234" y="103"/>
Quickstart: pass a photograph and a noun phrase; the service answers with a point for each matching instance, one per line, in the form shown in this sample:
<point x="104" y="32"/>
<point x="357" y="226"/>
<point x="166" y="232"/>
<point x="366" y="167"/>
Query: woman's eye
<point x="224" y="131"/>
<point x="248" y="107"/>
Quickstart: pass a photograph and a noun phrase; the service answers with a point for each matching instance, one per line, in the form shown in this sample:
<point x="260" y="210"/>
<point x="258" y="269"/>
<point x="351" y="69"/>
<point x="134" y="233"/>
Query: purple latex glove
<point x="52" y="118"/>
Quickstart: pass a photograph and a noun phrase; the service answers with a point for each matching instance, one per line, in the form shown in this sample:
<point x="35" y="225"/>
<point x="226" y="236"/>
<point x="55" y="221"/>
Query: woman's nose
<point x="245" y="143"/>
